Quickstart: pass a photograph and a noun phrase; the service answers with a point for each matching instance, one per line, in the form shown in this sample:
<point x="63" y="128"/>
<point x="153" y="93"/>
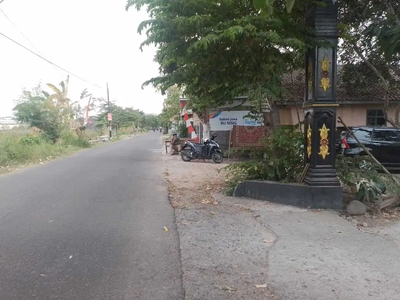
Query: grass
<point x="21" y="147"/>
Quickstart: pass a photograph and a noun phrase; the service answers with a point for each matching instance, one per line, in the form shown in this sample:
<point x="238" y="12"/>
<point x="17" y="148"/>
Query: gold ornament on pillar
<point x="309" y="134"/>
<point x="324" y="142"/>
<point x="325" y="82"/>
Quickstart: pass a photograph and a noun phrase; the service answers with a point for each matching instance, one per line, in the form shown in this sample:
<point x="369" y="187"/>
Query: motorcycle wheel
<point x="185" y="155"/>
<point x="217" y="157"/>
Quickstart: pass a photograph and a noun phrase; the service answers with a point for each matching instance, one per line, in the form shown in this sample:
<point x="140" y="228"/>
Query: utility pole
<point x="109" y="114"/>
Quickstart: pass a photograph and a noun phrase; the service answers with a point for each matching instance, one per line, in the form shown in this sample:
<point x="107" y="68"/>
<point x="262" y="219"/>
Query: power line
<point x="20" y="31"/>
<point x="26" y="38"/>
<point x="45" y="59"/>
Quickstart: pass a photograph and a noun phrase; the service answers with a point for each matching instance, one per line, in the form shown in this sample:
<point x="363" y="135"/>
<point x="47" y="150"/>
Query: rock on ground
<point x="356" y="208"/>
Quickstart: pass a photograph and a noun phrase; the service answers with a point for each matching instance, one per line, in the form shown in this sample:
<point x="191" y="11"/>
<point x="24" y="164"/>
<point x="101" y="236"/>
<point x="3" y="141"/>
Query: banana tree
<point x="61" y="100"/>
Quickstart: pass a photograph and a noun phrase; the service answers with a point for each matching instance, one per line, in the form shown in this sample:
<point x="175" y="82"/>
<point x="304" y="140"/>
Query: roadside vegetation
<point x="281" y="158"/>
<point x="54" y="125"/>
<point x="215" y="52"/>
<point x="20" y="146"/>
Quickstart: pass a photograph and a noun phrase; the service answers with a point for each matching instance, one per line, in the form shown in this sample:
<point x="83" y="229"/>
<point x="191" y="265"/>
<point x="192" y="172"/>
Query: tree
<point x="267" y="6"/>
<point x="216" y="51"/>
<point x="151" y="121"/>
<point x="38" y="111"/>
<point x="366" y="27"/>
<point x="171" y="108"/>
<point x="61" y="99"/>
<point x="26" y="93"/>
<point x="122" y="117"/>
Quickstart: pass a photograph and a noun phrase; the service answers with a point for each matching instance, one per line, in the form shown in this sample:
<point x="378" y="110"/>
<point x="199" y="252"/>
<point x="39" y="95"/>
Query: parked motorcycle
<point x="208" y="150"/>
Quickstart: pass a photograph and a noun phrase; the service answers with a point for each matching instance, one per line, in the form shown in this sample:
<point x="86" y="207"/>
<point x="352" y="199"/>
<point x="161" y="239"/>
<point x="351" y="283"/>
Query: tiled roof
<point x="294" y="84"/>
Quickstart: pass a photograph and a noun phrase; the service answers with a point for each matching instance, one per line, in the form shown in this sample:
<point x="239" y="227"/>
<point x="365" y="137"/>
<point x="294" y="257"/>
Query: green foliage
<point x="70" y="138"/>
<point x="30" y="140"/>
<point x="370" y="48"/>
<point x="384" y="31"/>
<point x="16" y="148"/>
<point x="172" y="108"/>
<point x="183" y="131"/>
<point x="123" y="117"/>
<point x="151" y="121"/>
<point x="361" y="173"/>
<point x="280" y="159"/>
<point x="350" y="170"/>
<point x="41" y="113"/>
<point x="368" y="190"/>
<point x="216" y="51"/>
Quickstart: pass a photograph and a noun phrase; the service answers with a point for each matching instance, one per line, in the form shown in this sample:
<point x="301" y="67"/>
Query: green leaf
<point x="259" y="4"/>
<point x="289" y="5"/>
<point x="269" y="9"/>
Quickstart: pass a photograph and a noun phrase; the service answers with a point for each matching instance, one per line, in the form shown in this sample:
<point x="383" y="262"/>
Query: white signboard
<point x="225" y="120"/>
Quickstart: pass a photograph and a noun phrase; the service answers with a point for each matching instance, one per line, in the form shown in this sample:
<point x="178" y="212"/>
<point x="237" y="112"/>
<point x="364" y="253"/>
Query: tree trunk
<point x="298" y="117"/>
<point x="206" y="125"/>
<point x="275" y="118"/>
<point x="384" y="82"/>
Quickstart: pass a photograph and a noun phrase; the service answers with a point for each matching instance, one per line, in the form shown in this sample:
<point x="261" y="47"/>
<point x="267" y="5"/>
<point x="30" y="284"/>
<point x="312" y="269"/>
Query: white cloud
<point x="96" y="40"/>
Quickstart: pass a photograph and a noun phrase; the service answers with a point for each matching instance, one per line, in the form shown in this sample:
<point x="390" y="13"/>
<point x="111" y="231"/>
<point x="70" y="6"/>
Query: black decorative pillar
<point x="320" y="104"/>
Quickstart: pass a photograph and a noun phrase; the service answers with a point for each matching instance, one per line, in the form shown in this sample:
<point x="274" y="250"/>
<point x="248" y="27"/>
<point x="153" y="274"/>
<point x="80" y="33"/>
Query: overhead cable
<point x="48" y="61"/>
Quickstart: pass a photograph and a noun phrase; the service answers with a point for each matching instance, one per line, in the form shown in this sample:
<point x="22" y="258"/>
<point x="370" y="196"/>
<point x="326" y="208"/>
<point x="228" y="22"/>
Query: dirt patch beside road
<point x="224" y="248"/>
<point x="230" y="245"/>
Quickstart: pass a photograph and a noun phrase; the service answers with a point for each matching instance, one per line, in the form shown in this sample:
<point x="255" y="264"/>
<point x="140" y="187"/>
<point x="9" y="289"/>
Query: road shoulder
<point x="230" y="245"/>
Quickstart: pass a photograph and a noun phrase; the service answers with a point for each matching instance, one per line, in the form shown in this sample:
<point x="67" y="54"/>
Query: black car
<point x="382" y="142"/>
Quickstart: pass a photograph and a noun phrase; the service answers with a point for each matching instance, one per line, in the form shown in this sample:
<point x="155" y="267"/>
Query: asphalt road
<point x="90" y="226"/>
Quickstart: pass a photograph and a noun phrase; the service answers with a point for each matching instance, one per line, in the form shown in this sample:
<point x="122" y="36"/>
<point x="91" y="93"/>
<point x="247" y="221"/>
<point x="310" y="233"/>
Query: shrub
<point x="30" y="140"/>
<point x="361" y="173"/>
<point x="24" y="148"/>
<point x="182" y="131"/>
<point x="281" y="158"/>
<point x="70" y="138"/>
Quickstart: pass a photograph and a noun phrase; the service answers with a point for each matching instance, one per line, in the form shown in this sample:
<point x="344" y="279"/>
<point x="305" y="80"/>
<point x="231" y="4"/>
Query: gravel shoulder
<point x="230" y="245"/>
<point x="224" y="248"/>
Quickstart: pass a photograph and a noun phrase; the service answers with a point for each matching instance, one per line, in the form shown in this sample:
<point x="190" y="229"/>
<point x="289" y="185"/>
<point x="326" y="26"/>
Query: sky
<point x="95" y="40"/>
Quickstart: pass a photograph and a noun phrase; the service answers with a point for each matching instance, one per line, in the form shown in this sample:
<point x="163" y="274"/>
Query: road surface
<point x="90" y="226"/>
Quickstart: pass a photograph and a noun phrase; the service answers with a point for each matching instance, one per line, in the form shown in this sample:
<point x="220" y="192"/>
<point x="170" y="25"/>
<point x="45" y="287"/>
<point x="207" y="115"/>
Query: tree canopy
<point x="37" y="110"/>
<point x="217" y="50"/>
<point x="125" y="117"/>
<point x="171" y="108"/>
<point x="370" y="49"/>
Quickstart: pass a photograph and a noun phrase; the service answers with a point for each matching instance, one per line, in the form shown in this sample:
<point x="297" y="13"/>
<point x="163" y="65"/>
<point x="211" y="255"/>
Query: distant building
<point x="8" y="122"/>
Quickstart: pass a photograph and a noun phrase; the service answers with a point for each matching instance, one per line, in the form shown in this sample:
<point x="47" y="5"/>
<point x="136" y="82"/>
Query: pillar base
<point x="313" y="197"/>
<point x="322" y="176"/>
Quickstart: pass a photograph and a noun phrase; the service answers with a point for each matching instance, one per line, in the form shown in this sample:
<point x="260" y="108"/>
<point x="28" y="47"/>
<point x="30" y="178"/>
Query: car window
<point x="361" y="134"/>
<point x="386" y="135"/>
